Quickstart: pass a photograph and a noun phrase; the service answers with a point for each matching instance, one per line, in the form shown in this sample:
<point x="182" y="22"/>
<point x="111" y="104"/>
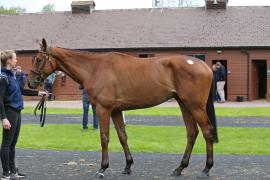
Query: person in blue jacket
<point x="49" y="84"/>
<point x="11" y="104"/>
<point x="20" y="77"/>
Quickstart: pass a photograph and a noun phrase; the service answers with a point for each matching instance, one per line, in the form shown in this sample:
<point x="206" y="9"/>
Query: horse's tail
<point x="211" y="112"/>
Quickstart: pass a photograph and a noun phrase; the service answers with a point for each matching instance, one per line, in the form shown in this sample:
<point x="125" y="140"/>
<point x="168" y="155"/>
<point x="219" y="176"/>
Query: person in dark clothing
<point x="86" y="104"/>
<point x="221" y="80"/>
<point x="11" y="104"/>
<point x="49" y="84"/>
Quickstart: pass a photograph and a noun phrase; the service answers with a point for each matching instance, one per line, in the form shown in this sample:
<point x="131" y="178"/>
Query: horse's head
<point x="42" y="65"/>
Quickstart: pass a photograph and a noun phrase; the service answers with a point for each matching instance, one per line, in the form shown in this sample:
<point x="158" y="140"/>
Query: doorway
<point x="259" y="79"/>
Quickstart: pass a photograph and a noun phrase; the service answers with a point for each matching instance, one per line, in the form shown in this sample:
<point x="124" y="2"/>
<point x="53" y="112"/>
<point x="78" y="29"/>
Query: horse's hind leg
<point x="192" y="133"/>
<point x="200" y="115"/>
<point x="117" y="118"/>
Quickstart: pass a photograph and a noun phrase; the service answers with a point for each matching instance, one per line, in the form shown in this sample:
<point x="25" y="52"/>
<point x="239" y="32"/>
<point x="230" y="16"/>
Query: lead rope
<point x="42" y="107"/>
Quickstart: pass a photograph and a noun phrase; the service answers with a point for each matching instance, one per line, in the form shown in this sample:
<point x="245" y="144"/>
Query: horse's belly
<point x="145" y="99"/>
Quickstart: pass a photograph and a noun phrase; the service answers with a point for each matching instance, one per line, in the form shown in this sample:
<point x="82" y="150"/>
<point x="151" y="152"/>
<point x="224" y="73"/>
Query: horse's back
<point x="163" y="68"/>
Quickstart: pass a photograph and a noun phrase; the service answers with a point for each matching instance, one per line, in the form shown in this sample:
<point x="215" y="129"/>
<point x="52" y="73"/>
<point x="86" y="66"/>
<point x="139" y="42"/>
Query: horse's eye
<point x="38" y="60"/>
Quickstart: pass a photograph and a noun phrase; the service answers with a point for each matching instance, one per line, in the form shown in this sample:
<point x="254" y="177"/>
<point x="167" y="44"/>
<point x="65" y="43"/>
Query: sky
<point x="64" y="5"/>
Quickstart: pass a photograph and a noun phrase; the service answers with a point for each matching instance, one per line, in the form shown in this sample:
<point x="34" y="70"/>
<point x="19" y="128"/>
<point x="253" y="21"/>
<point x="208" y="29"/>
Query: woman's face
<point x="13" y="61"/>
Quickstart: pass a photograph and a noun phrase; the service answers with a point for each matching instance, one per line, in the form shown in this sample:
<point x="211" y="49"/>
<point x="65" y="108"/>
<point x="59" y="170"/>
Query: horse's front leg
<point x="118" y="121"/>
<point x="104" y="124"/>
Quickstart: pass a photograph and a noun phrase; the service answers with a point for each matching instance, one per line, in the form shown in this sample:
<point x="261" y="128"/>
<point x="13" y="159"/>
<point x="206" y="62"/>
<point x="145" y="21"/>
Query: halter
<point x="41" y="106"/>
<point x="40" y="72"/>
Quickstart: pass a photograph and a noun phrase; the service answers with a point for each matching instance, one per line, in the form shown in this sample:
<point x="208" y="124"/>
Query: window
<point x="199" y="56"/>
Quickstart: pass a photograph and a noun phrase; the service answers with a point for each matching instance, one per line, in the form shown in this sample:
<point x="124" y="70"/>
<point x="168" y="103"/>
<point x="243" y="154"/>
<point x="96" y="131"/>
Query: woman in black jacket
<point x="11" y="104"/>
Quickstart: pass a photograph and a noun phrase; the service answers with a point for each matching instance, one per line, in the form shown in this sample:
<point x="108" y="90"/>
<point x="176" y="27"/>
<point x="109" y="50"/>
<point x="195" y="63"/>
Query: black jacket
<point x="221" y="74"/>
<point x="11" y="93"/>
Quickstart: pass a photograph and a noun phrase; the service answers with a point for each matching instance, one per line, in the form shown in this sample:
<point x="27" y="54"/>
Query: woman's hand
<point x="42" y="93"/>
<point x="6" y="124"/>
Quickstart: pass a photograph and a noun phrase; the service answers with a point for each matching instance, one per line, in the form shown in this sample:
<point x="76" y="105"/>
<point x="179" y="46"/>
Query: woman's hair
<point x="5" y="56"/>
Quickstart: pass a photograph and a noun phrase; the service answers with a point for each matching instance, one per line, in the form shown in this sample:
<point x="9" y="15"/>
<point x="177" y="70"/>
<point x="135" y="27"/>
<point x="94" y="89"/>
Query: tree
<point x="12" y="10"/>
<point x="180" y="3"/>
<point x="48" y="8"/>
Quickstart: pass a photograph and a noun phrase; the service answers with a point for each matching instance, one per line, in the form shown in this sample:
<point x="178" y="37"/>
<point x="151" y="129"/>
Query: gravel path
<point x="70" y="165"/>
<point x="80" y="165"/>
<point x="154" y="120"/>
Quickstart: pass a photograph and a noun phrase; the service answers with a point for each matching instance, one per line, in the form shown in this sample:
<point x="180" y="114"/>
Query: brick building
<point x="239" y="37"/>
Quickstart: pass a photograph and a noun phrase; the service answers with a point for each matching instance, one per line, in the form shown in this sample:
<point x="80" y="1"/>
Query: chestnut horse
<point x="118" y="82"/>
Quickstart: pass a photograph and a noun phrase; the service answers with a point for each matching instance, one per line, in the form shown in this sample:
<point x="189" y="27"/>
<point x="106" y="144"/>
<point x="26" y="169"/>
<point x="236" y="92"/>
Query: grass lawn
<point x="156" y="139"/>
<point x="168" y="111"/>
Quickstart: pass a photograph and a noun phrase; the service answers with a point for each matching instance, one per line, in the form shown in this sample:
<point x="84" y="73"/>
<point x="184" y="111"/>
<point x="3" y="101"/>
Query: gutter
<point x="248" y="72"/>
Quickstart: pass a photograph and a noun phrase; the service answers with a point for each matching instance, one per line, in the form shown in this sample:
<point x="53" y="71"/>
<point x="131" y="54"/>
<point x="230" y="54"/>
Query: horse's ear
<point x="44" y="45"/>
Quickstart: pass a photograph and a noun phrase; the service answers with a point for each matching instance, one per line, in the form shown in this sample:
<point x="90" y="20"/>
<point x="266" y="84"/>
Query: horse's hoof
<point x="203" y="175"/>
<point x="127" y="171"/>
<point x="99" y="175"/>
<point x="176" y="173"/>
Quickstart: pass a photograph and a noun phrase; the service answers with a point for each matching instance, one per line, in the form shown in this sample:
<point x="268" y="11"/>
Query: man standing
<point x="86" y="104"/>
<point x="49" y="84"/>
<point x="221" y="80"/>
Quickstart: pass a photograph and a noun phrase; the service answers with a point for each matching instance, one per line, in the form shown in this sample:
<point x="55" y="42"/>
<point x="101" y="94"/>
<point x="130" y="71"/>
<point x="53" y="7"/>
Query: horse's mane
<point x="95" y="53"/>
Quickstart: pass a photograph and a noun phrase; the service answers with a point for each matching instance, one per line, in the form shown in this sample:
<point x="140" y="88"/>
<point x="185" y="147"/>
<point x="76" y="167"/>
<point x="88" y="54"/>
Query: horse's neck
<point x="69" y="62"/>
